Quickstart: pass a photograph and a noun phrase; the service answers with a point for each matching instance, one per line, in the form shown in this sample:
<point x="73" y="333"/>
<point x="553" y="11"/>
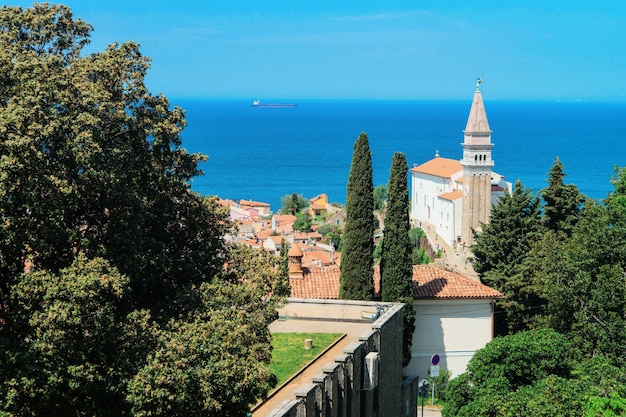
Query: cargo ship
<point x="257" y="103"/>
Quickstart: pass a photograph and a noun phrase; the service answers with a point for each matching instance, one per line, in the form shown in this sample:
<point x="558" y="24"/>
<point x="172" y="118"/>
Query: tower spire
<point x="477" y="165"/>
<point x="477" y="123"/>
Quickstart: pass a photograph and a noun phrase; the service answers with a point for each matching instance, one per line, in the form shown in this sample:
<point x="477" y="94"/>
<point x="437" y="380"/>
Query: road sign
<point x="435" y="359"/>
<point x="434" y="370"/>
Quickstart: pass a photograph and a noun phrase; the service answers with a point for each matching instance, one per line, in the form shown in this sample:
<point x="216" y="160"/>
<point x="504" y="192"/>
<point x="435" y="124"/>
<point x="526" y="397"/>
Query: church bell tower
<point x="477" y="165"/>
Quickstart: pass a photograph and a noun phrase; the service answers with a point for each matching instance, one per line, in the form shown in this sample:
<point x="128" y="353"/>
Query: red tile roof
<point x="439" y="167"/>
<point x="453" y="195"/>
<point x="429" y="282"/>
<point x="252" y="203"/>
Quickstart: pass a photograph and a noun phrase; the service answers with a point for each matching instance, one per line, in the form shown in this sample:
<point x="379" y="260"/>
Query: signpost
<point x="434" y="372"/>
<point x="423" y="392"/>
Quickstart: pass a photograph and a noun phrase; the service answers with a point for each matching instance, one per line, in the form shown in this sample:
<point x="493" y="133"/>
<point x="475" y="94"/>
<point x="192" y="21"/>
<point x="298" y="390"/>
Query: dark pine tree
<point x="562" y="202"/>
<point x="500" y="252"/>
<point x="357" y="277"/>
<point x="396" y="267"/>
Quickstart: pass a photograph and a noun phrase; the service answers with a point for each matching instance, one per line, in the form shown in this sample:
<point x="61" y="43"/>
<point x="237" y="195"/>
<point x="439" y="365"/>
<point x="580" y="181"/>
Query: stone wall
<point x="339" y="390"/>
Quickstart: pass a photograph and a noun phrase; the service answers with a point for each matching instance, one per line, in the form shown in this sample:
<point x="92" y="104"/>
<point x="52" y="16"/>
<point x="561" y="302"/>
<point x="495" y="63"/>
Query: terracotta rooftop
<point x="453" y="195"/>
<point x="429" y="282"/>
<point x="251" y="203"/>
<point x="439" y="167"/>
<point x="284" y="218"/>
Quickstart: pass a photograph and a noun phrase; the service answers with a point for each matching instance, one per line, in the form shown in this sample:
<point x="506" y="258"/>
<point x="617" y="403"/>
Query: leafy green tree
<point x="396" y="268"/>
<point x="535" y="373"/>
<point x="357" y="276"/>
<point x="500" y="252"/>
<point x="76" y="348"/>
<point x="293" y="204"/>
<point x="303" y="222"/>
<point x="95" y="197"/>
<point x="216" y="363"/>
<point x="415" y="235"/>
<point x="336" y="239"/>
<point x="504" y="366"/>
<point x="584" y="284"/>
<point x="418" y="254"/>
<point x="562" y="202"/>
<point x="92" y="163"/>
<point x="380" y="196"/>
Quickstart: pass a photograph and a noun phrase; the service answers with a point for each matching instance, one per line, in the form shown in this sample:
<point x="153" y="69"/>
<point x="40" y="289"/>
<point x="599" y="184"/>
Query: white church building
<point x="455" y="196"/>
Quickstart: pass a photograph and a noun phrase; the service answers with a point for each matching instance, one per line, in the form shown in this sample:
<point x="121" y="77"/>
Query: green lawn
<point x="289" y="354"/>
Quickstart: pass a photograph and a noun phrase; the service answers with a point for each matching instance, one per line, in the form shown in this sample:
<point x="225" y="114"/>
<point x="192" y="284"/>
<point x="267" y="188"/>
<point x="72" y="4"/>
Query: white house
<point x="453" y="319"/>
<point x="454" y="313"/>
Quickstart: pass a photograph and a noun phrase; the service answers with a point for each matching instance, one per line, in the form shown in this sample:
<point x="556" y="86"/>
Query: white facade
<point x="452" y="329"/>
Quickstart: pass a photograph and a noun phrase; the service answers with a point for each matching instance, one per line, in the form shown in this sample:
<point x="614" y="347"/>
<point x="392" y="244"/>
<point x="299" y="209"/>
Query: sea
<point x="264" y="154"/>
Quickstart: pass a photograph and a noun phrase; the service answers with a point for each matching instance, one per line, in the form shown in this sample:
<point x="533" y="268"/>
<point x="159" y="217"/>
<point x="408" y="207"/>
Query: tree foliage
<point x="584" y="284"/>
<point x="500" y="253"/>
<point x="76" y="347"/>
<point x="215" y="363"/>
<point x="281" y="286"/>
<point x="532" y="373"/>
<point x="396" y="267"/>
<point x="293" y="203"/>
<point x="562" y="202"/>
<point x="358" y="245"/>
<point x="380" y="196"/>
<point x="126" y="263"/>
<point x="303" y="222"/>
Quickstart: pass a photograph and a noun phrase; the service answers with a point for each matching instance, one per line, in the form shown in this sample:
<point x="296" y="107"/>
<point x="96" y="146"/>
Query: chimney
<point x="295" y="261"/>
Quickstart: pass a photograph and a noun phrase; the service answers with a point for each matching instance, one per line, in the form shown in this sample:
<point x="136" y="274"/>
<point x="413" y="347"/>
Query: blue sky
<point x="556" y="50"/>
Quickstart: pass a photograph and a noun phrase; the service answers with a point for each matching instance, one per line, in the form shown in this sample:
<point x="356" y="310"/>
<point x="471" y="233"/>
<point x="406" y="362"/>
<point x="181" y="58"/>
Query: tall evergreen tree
<point x="562" y="202"/>
<point x="281" y="287"/>
<point x="500" y="251"/>
<point x="357" y="277"/>
<point x="396" y="267"/>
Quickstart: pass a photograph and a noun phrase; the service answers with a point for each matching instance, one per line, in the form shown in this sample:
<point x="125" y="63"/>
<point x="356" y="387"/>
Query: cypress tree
<point x="281" y="285"/>
<point x="357" y="277"/>
<point x="396" y="267"/>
